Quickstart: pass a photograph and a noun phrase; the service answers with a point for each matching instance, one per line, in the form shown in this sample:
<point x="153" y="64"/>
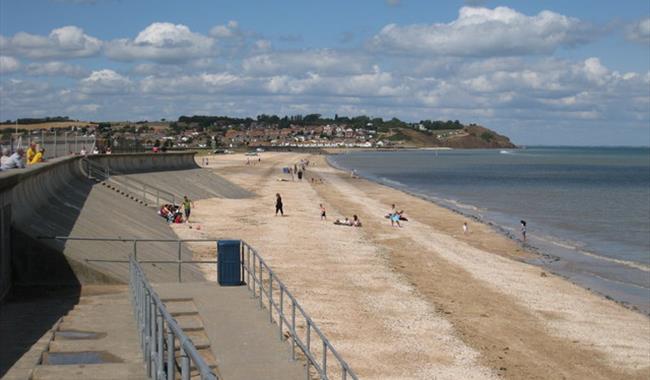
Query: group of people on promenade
<point x="19" y="159"/>
<point x="34" y="154"/>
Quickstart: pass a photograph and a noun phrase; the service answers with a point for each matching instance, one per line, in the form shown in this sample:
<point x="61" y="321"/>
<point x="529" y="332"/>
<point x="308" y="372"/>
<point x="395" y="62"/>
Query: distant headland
<point x="297" y="131"/>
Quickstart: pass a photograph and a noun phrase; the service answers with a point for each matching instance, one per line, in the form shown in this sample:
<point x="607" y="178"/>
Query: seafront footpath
<point x="424" y="300"/>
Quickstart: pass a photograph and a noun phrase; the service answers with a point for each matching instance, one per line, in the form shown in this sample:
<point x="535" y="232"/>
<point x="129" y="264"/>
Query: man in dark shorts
<point x="187" y="207"/>
<point x="278" y="205"/>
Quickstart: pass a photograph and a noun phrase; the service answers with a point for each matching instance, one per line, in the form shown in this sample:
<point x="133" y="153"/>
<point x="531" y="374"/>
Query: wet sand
<point x="423" y="301"/>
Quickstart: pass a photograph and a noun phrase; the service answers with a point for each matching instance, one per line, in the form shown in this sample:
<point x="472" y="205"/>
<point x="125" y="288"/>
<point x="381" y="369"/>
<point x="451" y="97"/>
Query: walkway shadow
<point x="28" y="313"/>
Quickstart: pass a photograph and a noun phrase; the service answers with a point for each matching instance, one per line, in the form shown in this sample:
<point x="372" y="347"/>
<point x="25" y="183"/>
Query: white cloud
<point x="639" y="31"/>
<point x="55" y="69"/>
<point x="294" y="62"/>
<point x="8" y="64"/>
<point x="229" y="30"/>
<point x="262" y="45"/>
<point x="162" y="42"/>
<point x="62" y="43"/>
<point x="485" y="32"/>
<point x="105" y="82"/>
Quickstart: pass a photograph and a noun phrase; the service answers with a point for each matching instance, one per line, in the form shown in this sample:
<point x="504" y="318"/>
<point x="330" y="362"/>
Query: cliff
<point x="469" y="137"/>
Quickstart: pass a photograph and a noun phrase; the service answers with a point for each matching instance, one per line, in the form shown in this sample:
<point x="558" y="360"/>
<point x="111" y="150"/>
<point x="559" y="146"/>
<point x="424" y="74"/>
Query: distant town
<point x="270" y="131"/>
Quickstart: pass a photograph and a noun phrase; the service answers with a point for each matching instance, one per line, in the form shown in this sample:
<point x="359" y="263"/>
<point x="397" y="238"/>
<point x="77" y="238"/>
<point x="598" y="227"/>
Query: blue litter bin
<point x="229" y="262"/>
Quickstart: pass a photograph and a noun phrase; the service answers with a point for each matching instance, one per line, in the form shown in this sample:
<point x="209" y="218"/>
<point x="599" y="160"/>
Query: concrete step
<point x="165" y="300"/>
<point x="199" y="338"/>
<point x="111" y="371"/>
<point x="206" y="354"/>
<point x="189" y="322"/>
<point x="178" y="308"/>
<point x="123" y="350"/>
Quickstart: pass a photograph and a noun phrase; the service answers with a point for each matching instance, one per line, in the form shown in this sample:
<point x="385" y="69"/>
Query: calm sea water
<point x="587" y="209"/>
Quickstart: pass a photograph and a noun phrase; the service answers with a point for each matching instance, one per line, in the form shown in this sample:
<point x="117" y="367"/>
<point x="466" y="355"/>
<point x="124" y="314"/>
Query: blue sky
<point x="551" y="72"/>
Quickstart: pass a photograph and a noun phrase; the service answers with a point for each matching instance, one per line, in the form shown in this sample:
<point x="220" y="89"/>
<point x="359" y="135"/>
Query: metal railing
<point x="134" y="186"/>
<point x="56" y="143"/>
<point x="159" y="332"/>
<point x="315" y="347"/>
<point x="322" y="359"/>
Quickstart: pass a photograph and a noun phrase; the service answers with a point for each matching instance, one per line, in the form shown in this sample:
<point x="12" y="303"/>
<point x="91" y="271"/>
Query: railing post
<point x="161" y="351"/>
<point x="147" y="329"/>
<point x="152" y="335"/>
<point x="270" y="296"/>
<point x="308" y="335"/>
<point x="171" y="367"/>
<point x="135" y="250"/>
<point x="261" y="285"/>
<point x="293" y="330"/>
<point x="241" y="253"/>
<point x="281" y="317"/>
<point x="185" y="365"/>
<point x="248" y="262"/>
<point x="179" y="261"/>
<point x="157" y="198"/>
<point x="325" y="358"/>
<point x="254" y="274"/>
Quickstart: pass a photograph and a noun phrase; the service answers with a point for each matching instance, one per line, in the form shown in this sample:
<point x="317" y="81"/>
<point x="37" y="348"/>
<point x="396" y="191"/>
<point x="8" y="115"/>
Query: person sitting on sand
<point x="355" y="221"/>
<point x="394" y="219"/>
<point x="344" y="222"/>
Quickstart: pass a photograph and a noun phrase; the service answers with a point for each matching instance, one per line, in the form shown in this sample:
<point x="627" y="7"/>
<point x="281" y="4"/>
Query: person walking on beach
<point x="465" y="228"/>
<point x="323" y="212"/>
<point x="523" y="230"/>
<point x="278" y="205"/>
<point x="187" y="207"/>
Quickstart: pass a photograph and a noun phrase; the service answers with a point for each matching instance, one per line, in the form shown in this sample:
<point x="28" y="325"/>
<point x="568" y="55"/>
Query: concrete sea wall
<point x="56" y="198"/>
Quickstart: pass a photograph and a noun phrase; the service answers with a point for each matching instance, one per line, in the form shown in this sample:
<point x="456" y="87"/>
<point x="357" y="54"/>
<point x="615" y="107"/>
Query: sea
<point x="587" y="209"/>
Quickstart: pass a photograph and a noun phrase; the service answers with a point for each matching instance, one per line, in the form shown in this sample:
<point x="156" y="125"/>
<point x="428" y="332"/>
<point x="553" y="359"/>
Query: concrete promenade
<point x="96" y="339"/>
<point x="245" y="344"/>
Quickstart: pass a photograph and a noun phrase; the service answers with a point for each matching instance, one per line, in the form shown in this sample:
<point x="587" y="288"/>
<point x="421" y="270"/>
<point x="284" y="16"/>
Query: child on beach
<point x="523" y="230"/>
<point x="323" y="212"/>
<point x="465" y="228"/>
<point x="394" y="219"/>
<point x="278" y="204"/>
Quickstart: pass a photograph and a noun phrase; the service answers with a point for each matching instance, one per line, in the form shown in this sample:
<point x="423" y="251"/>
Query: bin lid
<point x="229" y="242"/>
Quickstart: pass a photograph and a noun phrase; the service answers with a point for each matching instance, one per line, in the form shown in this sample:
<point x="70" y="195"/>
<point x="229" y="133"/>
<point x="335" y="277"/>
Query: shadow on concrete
<point x="39" y="262"/>
<point x="30" y="312"/>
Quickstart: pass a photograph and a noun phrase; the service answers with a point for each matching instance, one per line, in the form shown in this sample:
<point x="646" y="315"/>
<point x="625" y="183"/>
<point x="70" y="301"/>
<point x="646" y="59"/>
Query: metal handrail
<point x="154" y="321"/>
<point x="135" y="186"/>
<point x="253" y="269"/>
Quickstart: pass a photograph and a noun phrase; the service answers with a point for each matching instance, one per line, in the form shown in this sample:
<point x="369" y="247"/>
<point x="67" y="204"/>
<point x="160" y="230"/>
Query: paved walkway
<point x="245" y="344"/>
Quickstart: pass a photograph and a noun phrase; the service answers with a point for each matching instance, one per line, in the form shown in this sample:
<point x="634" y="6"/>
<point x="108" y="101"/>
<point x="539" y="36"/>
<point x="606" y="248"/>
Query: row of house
<point x="321" y="136"/>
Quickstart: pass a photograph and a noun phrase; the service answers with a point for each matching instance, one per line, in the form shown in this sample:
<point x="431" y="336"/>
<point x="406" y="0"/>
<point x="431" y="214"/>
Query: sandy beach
<point x="424" y="301"/>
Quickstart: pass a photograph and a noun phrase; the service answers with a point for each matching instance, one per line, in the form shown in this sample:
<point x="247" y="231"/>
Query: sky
<point x="541" y="72"/>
